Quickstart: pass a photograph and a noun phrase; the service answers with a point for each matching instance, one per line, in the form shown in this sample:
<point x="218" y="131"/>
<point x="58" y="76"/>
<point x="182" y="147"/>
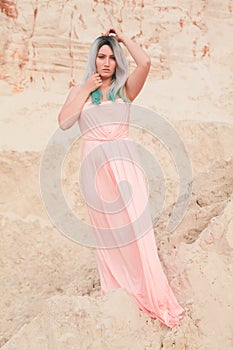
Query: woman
<point x="117" y="200"/>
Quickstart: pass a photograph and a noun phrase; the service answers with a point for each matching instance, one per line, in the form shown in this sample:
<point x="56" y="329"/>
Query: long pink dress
<point x="115" y="191"/>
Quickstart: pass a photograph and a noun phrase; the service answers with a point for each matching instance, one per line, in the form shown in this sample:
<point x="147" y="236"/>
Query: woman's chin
<point x="106" y="75"/>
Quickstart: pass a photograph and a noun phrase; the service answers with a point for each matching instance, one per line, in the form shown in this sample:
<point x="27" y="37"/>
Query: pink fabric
<point x="126" y="249"/>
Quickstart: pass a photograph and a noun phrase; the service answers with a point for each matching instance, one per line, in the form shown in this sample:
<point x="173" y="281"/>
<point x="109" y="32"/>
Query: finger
<point x="97" y="79"/>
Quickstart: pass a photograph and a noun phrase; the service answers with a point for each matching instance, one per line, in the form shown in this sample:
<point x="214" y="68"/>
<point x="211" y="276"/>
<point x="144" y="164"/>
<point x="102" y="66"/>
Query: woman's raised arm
<point x="138" y="77"/>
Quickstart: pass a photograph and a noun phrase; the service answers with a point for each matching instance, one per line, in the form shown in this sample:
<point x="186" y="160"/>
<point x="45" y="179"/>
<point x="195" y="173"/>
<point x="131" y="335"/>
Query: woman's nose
<point x="106" y="63"/>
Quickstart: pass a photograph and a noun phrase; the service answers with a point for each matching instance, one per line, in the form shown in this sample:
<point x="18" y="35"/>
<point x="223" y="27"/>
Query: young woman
<point x="114" y="187"/>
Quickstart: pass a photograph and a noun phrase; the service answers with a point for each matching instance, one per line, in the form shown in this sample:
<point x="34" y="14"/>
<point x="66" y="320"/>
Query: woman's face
<point x="105" y="62"/>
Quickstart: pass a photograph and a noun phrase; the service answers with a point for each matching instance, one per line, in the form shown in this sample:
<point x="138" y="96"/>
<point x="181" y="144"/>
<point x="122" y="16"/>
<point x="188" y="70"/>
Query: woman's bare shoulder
<point x="125" y="93"/>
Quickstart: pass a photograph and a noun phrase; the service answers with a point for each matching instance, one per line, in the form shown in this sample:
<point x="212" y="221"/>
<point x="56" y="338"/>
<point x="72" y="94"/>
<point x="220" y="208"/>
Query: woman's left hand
<point x="117" y="33"/>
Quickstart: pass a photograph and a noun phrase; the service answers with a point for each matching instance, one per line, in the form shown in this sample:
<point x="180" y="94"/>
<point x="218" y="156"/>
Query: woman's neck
<point x="104" y="89"/>
<point x="106" y="83"/>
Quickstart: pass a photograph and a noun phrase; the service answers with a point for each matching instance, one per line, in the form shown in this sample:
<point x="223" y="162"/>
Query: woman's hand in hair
<point x="93" y="82"/>
<point x="117" y="33"/>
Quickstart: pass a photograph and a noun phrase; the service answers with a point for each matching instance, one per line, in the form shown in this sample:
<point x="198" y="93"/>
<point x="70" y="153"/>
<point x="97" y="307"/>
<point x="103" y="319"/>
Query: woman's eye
<point x="102" y="57"/>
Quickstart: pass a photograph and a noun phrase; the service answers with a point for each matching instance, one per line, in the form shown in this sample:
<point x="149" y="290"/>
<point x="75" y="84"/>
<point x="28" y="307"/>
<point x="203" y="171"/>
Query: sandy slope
<point x="52" y="284"/>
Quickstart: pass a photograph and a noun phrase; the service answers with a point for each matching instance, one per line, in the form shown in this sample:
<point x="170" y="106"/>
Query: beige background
<point x="49" y="285"/>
